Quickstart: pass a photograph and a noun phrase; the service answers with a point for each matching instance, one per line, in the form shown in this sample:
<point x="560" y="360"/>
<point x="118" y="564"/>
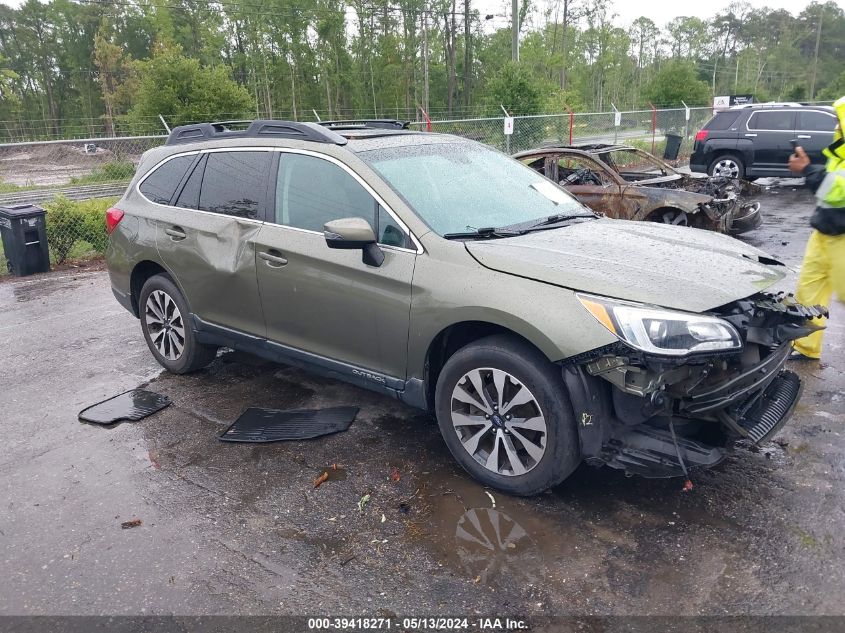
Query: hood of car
<point x="669" y="266"/>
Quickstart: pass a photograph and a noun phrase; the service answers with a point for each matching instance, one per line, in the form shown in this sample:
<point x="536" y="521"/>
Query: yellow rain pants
<point x="822" y="275"/>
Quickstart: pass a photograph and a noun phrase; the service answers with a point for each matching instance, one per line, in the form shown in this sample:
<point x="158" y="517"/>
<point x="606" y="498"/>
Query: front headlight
<point x="663" y="332"/>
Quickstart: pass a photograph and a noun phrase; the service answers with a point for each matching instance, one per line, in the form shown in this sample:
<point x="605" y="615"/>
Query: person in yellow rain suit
<point x="823" y="269"/>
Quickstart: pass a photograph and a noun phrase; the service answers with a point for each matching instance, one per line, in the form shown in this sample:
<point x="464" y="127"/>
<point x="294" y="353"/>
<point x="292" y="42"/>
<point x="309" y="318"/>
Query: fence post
<point x="571" y="121"/>
<point x="653" y="124"/>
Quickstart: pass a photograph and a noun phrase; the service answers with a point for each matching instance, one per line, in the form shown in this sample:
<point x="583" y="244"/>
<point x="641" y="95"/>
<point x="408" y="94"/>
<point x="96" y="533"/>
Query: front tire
<point x="165" y="321"/>
<point x="506" y="417"/>
<point x="728" y="166"/>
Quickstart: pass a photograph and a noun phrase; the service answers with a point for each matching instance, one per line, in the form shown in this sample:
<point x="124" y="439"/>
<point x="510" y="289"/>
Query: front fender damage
<point x="657" y="416"/>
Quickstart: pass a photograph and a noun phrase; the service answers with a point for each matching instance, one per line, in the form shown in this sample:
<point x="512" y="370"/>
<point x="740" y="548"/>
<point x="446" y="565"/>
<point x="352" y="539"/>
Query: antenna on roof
<point x="164" y="123"/>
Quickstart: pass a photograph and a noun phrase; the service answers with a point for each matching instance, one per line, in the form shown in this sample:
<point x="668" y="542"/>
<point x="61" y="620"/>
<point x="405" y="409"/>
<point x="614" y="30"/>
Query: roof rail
<point x="768" y="104"/>
<point x="261" y="128"/>
<point x="357" y="124"/>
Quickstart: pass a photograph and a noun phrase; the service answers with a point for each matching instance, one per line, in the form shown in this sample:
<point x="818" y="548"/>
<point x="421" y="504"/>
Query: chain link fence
<point x="76" y="180"/>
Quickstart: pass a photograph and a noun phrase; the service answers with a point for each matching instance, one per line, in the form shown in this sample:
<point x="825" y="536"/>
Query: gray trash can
<point x="24" y="233"/>
<point x="673" y="146"/>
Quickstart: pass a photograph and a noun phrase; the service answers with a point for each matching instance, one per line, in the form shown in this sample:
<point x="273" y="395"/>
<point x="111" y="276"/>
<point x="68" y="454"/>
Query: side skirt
<point x="410" y="392"/>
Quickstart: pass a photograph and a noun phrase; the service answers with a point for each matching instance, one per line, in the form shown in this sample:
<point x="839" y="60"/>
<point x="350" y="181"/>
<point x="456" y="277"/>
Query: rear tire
<point x="519" y="433"/>
<point x="727" y="165"/>
<point x="165" y="321"/>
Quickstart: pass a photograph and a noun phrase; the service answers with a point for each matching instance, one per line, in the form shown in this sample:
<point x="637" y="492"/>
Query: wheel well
<point x="726" y="152"/>
<point x="142" y="271"/>
<point x="449" y="341"/>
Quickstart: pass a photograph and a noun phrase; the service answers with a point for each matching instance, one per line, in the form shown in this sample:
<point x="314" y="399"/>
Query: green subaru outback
<point x="441" y="272"/>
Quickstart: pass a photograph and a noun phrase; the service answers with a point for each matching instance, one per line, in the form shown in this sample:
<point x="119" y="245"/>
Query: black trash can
<point x="24" y="233"/>
<point x="673" y="146"/>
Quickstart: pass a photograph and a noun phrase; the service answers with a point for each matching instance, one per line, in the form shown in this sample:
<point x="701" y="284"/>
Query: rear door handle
<point x="273" y="258"/>
<point x="176" y="233"/>
<point x="751" y="135"/>
<point x="804" y="136"/>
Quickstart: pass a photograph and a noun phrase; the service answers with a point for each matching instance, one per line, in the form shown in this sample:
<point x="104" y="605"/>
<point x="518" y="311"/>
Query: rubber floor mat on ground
<point x="132" y="405"/>
<point x="272" y="425"/>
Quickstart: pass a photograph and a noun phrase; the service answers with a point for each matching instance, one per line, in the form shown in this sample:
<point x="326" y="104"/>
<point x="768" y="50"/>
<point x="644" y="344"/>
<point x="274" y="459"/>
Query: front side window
<point x="459" y="186"/>
<point x="576" y="170"/>
<point x="778" y="121"/>
<point x="235" y="183"/>
<point x="311" y="191"/>
<point x="161" y="184"/>
<point x="816" y="122"/>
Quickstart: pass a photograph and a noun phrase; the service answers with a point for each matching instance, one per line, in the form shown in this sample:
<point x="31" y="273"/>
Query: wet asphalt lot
<point x="239" y="529"/>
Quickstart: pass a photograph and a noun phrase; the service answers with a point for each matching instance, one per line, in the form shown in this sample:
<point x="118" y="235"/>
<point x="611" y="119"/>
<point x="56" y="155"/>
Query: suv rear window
<point x="723" y="120"/>
<point x="235" y="183"/>
<point x="160" y="185"/>
<point x="778" y="121"/>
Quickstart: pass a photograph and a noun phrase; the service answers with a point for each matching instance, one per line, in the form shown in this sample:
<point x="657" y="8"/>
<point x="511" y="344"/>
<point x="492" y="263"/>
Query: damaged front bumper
<point x="657" y="417"/>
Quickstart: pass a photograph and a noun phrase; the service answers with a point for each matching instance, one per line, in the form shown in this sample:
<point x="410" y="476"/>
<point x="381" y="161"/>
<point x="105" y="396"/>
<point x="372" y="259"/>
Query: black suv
<point x="753" y="141"/>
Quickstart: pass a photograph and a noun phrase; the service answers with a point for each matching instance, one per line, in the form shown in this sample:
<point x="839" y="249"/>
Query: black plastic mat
<point x="132" y="405"/>
<point x="272" y="425"/>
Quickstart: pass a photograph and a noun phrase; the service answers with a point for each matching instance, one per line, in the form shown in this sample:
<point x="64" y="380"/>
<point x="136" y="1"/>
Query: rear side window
<point x="778" y="121"/>
<point x="816" y="122"/>
<point x="235" y="183"/>
<point x="189" y="198"/>
<point x="161" y="184"/>
<point x="723" y="120"/>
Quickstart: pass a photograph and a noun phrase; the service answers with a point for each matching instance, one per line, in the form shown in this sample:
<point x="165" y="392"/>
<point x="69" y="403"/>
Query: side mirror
<point x="354" y="234"/>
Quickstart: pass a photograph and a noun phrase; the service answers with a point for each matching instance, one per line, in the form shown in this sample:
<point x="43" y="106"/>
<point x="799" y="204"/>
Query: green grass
<point x="8" y="187"/>
<point x="118" y="170"/>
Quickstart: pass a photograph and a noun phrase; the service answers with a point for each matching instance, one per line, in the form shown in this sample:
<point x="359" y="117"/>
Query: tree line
<point x="75" y="67"/>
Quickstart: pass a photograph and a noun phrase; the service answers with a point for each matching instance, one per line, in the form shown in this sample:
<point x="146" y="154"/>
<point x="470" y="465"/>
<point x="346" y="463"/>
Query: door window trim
<point x="418" y="249"/>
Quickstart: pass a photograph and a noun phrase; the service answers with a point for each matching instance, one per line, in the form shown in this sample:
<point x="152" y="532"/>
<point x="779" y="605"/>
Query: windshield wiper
<point x="484" y="232"/>
<point x="551" y="222"/>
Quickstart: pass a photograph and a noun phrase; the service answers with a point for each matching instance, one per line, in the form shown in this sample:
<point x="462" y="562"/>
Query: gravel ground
<point x="239" y="529"/>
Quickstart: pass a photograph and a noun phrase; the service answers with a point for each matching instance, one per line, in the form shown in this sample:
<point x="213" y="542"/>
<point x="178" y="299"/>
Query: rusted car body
<point x="627" y="183"/>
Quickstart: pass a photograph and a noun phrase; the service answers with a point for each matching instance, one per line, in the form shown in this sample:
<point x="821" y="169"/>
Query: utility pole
<point x="467" y="53"/>
<point x="816" y="54"/>
<point x="425" y="56"/>
<point x="515" y="30"/>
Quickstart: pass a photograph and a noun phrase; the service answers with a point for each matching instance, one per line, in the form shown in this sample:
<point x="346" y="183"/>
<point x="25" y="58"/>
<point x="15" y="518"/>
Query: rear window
<point x="723" y="120"/>
<point x="161" y="184"/>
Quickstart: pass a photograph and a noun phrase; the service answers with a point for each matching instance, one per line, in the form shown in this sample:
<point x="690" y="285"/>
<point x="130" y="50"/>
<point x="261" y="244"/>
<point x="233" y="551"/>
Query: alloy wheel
<point x="727" y="168"/>
<point x="165" y="325"/>
<point x="677" y="218"/>
<point x="498" y="421"/>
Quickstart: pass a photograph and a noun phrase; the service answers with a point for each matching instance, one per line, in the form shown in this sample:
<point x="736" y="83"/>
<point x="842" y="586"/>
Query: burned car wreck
<point x="624" y="182"/>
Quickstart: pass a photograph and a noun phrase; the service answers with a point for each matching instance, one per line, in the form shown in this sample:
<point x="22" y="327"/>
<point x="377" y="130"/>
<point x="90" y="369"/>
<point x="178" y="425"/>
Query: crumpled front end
<point x="658" y="417"/>
<point x="730" y="206"/>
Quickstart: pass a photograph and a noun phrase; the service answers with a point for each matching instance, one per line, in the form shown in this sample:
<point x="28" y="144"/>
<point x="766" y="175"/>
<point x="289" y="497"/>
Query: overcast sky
<point x="660" y="11"/>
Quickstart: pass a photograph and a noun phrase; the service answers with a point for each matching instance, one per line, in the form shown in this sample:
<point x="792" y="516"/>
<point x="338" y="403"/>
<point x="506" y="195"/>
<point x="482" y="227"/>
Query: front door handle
<point x="273" y="258"/>
<point x="176" y="233"/>
<point x="804" y="136"/>
<point x="752" y="135"/>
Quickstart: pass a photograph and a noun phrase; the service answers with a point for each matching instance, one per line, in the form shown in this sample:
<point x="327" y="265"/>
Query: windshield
<point x="464" y="186"/>
<point x="633" y="165"/>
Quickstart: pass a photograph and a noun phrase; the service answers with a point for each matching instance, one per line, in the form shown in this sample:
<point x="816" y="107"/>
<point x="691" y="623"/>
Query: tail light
<point x="701" y="135"/>
<point x="113" y="218"/>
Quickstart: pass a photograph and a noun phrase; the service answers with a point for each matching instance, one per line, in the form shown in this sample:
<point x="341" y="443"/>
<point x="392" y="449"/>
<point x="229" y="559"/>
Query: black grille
<point x="774" y="407"/>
